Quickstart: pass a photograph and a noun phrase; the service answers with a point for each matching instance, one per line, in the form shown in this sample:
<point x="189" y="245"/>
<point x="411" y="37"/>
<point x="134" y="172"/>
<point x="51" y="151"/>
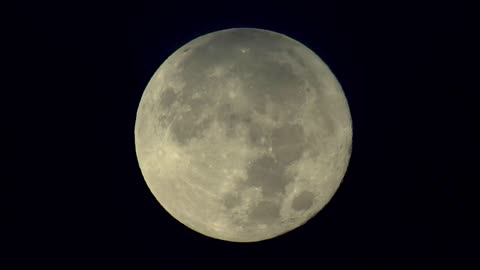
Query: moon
<point x="243" y="134"/>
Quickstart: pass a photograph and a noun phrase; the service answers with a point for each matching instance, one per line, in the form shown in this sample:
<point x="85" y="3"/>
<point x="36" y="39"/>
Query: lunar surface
<point x="243" y="134"/>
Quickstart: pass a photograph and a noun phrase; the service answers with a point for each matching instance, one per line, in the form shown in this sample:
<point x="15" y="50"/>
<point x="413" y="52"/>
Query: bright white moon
<point x="243" y="134"/>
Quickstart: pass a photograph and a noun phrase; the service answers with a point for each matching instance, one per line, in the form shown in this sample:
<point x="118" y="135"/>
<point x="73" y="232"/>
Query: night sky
<point x="79" y="71"/>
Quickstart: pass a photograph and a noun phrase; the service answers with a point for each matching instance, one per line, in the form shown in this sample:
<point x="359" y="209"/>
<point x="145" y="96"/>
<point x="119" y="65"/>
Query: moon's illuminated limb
<point x="243" y="134"/>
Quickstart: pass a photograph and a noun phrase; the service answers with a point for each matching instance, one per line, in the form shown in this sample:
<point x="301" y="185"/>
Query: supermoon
<point x="243" y="134"/>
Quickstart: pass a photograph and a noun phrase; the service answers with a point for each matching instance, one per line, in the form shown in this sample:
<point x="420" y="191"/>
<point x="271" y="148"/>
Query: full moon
<point x="243" y="134"/>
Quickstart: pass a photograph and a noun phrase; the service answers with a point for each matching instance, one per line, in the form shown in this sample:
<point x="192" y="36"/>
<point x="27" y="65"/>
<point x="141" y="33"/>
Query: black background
<point x="79" y="71"/>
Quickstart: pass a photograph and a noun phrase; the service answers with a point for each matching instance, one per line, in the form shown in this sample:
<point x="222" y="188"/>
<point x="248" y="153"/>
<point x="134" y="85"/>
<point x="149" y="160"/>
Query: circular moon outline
<point x="243" y="134"/>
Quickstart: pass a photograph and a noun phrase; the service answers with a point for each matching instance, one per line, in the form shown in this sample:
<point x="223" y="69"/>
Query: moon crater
<point x="303" y="201"/>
